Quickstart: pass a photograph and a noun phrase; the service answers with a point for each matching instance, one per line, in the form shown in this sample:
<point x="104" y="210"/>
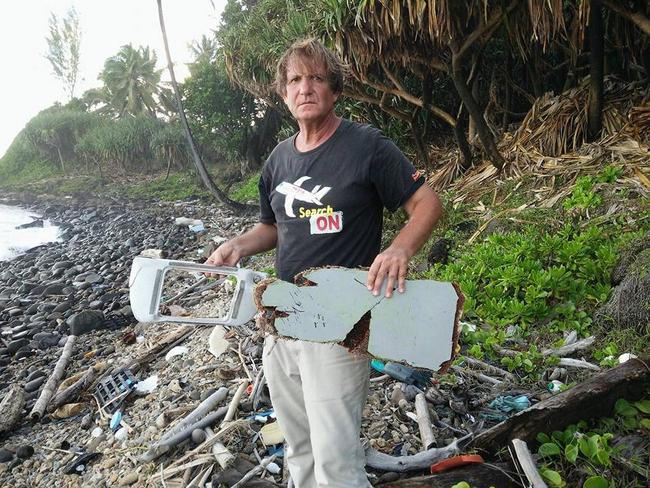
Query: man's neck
<point x="314" y="134"/>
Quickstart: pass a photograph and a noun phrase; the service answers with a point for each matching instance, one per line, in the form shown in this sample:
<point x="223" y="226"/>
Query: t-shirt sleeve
<point x="393" y="175"/>
<point x="266" y="212"/>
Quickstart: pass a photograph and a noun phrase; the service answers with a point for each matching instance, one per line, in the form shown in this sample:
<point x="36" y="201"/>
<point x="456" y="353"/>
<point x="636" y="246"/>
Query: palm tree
<point x="131" y="81"/>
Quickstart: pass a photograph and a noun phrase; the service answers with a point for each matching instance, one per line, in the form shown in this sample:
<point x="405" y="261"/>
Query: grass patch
<point x="178" y="186"/>
<point x="246" y="190"/>
<point x="15" y="179"/>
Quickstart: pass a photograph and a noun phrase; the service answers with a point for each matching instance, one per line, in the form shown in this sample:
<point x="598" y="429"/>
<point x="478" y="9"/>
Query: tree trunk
<point x="198" y="162"/>
<point x="505" y="119"/>
<point x="461" y="140"/>
<point x="420" y="147"/>
<point x="596" y="71"/>
<point x="474" y="110"/>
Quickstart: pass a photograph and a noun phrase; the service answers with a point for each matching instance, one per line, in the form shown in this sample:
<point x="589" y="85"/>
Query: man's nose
<point x="306" y="85"/>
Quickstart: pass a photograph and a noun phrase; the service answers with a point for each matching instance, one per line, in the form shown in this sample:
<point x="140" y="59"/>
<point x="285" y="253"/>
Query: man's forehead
<point x="304" y="65"/>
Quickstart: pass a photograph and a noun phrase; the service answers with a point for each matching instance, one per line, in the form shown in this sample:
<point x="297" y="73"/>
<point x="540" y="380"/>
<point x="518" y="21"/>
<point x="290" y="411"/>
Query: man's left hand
<point x="392" y="266"/>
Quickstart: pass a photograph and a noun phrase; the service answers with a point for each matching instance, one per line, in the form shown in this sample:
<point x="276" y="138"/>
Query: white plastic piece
<point x="175" y="351"/>
<point x="186" y="221"/>
<point x="626" y="356"/>
<point x="146" y="286"/>
<point x="273" y="468"/>
<point x="555" y="386"/>
<point x="147" y="385"/>
<point x="121" y="435"/>
<point x="96" y="432"/>
<point x="217" y="345"/>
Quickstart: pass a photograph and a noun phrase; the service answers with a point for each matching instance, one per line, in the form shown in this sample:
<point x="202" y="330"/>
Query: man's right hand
<point x="225" y="255"/>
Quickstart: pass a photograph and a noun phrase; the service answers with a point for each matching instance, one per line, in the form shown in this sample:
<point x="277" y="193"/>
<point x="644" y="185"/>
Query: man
<point x="322" y="194"/>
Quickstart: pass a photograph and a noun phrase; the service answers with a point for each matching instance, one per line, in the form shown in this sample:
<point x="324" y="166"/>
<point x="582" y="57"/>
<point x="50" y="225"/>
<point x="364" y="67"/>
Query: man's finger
<point x="390" y="283"/>
<point x="372" y="274"/>
<point x="401" y="286"/>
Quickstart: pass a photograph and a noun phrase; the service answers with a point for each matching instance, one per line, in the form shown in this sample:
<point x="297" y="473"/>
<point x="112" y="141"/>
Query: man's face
<point x="308" y="93"/>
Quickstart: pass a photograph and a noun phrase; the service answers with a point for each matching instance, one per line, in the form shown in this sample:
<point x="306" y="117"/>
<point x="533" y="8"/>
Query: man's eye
<point x="318" y="78"/>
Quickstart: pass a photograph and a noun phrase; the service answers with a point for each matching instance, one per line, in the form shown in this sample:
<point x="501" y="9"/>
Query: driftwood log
<point x="422" y="460"/>
<point x="527" y="464"/>
<point x="476" y="475"/>
<point x="73" y="391"/>
<point x="163" y="345"/>
<point x="594" y="397"/>
<point x="11" y="408"/>
<point x="53" y="381"/>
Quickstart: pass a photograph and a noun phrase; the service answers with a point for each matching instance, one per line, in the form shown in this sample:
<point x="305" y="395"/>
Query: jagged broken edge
<point x="267" y="315"/>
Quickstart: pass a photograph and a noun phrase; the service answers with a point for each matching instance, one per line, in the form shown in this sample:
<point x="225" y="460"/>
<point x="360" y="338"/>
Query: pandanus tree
<point x="440" y="61"/>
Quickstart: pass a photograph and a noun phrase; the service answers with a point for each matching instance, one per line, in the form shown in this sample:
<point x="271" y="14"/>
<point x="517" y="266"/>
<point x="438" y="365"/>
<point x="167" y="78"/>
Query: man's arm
<point x="262" y="237"/>
<point x="424" y="209"/>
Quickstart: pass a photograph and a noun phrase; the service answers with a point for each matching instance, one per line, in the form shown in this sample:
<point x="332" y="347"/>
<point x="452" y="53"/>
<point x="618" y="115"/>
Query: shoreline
<point x="86" y="274"/>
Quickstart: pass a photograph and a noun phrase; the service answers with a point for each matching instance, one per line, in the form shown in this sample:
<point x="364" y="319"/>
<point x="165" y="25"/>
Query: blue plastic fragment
<point x="115" y="420"/>
<point x="503" y="405"/>
<point x="278" y="450"/>
<point x="377" y="365"/>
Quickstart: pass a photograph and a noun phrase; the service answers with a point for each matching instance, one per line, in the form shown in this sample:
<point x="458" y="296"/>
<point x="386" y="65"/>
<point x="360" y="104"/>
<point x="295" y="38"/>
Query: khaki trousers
<point x="318" y="393"/>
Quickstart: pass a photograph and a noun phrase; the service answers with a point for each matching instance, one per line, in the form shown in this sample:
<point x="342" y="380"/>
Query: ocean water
<point x="14" y="242"/>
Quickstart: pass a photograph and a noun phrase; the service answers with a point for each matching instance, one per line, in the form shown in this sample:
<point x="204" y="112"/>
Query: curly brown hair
<point x="315" y="52"/>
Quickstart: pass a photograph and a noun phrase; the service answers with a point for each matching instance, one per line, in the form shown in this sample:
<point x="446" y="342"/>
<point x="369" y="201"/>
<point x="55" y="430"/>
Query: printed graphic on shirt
<point x="322" y="220"/>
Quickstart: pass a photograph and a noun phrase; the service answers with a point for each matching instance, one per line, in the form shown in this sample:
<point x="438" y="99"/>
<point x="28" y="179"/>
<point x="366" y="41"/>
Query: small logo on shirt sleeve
<point x="416" y="175"/>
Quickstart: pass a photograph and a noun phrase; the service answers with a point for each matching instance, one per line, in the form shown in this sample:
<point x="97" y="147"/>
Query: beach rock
<point x="6" y="455"/>
<point x="25" y="452"/>
<point x="85" y="321"/>
<point x="15" y="345"/>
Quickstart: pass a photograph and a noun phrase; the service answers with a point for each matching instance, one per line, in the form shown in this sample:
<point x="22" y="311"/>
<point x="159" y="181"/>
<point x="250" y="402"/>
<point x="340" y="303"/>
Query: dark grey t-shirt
<point x="328" y="202"/>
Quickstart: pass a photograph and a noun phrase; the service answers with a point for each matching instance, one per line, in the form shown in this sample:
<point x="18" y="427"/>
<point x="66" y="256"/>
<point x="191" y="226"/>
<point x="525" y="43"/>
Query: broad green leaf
<point x="549" y="449"/>
<point x="595" y="482"/>
<point x="552" y="477"/>
<point x="623" y="407"/>
<point x="586" y="448"/>
<point x="542" y="438"/>
<point x="571" y="453"/>
<point x="630" y="423"/>
<point x="643" y="405"/>
<point x="645" y="423"/>
<point x="603" y="457"/>
<point x="462" y="484"/>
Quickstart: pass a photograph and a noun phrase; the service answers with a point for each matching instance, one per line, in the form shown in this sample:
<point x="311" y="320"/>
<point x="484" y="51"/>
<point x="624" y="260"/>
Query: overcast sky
<point x="26" y="83"/>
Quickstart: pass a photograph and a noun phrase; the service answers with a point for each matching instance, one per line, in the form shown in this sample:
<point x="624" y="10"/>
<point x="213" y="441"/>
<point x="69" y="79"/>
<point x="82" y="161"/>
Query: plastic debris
<point x="197" y="227"/>
<point x="217" y="344"/>
<point x="78" y="465"/>
<point x="555" y="386"/>
<point x="115" y="420"/>
<point x="147" y="385"/>
<point x="112" y="390"/>
<point x="186" y="221"/>
<point x="503" y="405"/>
<point x="121" y="434"/>
<point x="176" y="351"/>
<point x="626" y="356"/>
<point x="271" y="434"/>
<point x="402" y="373"/>
<point x="273" y="468"/>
